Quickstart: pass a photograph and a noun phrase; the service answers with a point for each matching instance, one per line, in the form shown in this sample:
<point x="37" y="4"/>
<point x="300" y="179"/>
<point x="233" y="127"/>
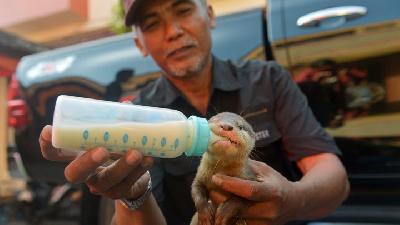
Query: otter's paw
<point x="227" y="213"/>
<point x="206" y="216"/>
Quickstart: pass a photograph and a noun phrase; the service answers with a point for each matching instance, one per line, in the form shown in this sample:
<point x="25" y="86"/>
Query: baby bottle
<point x="83" y="123"/>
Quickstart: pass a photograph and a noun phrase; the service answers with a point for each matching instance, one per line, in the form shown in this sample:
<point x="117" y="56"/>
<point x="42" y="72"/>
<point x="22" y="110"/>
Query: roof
<point x="16" y="47"/>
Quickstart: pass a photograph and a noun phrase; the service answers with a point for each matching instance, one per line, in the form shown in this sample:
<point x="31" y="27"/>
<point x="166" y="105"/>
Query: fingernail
<point x="99" y="155"/>
<point x="217" y="179"/>
<point x="46" y="133"/>
<point x="132" y="158"/>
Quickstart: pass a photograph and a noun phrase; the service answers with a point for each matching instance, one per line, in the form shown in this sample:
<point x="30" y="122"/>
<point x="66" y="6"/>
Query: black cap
<point x="131" y="7"/>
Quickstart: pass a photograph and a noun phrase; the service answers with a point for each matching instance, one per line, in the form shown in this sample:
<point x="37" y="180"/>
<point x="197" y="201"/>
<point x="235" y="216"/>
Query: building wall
<point x="100" y="12"/>
<point x="48" y="21"/>
<point x="16" y="11"/>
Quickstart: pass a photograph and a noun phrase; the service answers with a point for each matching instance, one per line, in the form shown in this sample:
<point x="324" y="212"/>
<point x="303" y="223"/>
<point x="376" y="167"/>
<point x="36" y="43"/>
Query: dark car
<point x="110" y="69"/>
<point x="343" y="55"/>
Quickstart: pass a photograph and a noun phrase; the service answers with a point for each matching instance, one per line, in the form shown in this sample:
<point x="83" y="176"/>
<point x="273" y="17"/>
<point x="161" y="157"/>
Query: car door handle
<point x="348" y="12"/>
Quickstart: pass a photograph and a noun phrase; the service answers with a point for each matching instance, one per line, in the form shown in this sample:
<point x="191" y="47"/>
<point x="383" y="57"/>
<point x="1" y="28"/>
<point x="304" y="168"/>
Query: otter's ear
<point x="140" y="45"/>
<point x="211" y="16"/>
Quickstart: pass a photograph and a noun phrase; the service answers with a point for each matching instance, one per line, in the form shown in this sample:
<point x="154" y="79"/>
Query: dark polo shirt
<point x="265" y="95"/>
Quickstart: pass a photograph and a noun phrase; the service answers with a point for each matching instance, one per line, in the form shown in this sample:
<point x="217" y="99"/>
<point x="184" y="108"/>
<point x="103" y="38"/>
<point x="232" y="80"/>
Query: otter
<point x="232" y="140"/>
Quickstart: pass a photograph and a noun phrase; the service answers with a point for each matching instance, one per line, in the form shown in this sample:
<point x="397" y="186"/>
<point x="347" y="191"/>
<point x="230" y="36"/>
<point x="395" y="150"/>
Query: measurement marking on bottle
<point x="163" y="141"/>
<point x="125" y="138"/>
<point x="176" y="143"/>
<point x="85" y="135"/>
<point x="106" y="136"/>
<point x="144" y="140"/>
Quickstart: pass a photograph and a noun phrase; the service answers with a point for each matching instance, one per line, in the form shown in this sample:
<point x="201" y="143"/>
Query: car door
<point x="344" y="55"/>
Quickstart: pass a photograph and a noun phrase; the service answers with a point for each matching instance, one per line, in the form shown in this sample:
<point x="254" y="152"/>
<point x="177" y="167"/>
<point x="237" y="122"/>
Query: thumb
<point x="260" y="168"/>
<point x="251" y="190"/>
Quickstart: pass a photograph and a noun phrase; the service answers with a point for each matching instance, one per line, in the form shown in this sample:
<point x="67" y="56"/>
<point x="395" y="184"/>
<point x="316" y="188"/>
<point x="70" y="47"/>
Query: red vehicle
<point x="17" y="109"/>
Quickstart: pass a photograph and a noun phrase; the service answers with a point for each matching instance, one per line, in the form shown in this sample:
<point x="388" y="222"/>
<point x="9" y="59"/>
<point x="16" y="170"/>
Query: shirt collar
<point x="165" y="93"/>
<point x="223" y="76"/>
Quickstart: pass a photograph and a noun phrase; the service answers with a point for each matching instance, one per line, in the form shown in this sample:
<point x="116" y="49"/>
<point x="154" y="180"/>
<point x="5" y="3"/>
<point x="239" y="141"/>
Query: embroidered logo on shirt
<point x="262" y="135"/>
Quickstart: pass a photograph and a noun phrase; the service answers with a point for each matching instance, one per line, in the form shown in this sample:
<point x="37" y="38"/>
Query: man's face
<point x="176" y="33"/>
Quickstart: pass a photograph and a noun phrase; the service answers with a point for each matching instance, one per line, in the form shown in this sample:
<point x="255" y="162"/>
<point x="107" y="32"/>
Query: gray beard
<point x="195" y="67"/>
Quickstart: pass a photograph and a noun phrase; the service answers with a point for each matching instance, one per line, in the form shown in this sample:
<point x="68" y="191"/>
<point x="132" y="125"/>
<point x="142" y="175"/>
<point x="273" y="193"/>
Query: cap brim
<point x="131" y="16"/>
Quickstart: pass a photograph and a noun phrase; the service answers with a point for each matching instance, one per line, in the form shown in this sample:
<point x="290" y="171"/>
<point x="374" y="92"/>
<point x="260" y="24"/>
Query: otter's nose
<point x="226" y="127"/>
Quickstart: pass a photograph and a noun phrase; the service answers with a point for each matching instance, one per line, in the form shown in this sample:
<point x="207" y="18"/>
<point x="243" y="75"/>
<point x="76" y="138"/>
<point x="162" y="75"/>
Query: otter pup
<point x="231" y="142"/>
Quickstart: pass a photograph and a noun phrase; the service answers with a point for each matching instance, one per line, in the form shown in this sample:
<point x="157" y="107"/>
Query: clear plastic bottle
<point x="83" y="123"/>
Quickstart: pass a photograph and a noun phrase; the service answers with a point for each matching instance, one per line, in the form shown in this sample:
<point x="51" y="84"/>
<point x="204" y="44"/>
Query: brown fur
<point x="229" y="158"/>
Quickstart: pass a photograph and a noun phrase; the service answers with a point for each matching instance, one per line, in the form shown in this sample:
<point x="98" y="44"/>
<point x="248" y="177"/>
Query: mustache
<point x="172" y="48"/>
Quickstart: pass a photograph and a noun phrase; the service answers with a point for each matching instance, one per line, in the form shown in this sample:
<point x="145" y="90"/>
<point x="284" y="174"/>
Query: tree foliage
<point x="118" y="21"/>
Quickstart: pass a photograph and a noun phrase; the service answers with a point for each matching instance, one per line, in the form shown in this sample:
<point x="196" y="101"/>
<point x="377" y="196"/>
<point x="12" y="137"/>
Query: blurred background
<point x="33" y="26"/>
<point x="344" y="55"/>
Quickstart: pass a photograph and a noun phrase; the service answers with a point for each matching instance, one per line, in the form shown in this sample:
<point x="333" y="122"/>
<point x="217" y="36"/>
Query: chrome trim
<point x="348" y="12"/>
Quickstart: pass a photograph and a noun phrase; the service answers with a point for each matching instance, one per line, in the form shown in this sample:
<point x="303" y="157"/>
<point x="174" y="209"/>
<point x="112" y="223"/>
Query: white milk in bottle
<point x="82" y="124"/>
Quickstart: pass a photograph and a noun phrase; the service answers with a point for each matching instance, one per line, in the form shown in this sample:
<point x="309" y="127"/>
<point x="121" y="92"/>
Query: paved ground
<point x="46" y="223"/>
<point x="16" y="213"/>
<point x="348" y="224"/>
<point x="72" y="223"/>
<point x="11" y="215"/>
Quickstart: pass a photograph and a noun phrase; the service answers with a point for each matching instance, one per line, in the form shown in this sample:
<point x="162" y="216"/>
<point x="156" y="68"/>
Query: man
<point x="176" y="34"/>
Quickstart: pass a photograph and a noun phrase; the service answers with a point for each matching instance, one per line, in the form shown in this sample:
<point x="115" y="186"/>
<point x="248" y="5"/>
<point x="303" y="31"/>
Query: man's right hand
<point x="125" y="177"/>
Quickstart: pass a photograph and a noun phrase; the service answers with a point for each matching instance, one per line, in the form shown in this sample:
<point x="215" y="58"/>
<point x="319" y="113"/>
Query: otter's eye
<point x="240" y="127"/>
